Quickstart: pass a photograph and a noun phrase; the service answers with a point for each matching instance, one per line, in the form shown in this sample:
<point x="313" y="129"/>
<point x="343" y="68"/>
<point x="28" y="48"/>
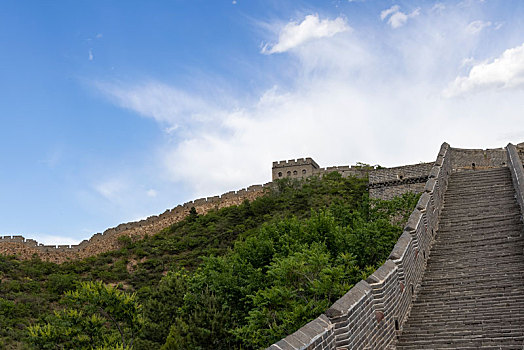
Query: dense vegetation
<point x="237" y="278"/>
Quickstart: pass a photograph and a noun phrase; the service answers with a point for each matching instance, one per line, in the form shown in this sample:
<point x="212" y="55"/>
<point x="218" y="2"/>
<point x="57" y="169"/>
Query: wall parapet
<point x="468" y="159"/>
<point x="108" y="240"/>
<point x="373" y="312"/>
<point x="316" y="335"/>
<point x="517" y="174"/>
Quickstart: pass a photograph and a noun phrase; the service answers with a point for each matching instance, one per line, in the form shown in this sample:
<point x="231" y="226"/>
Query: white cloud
<point x="504" y="72"/>
<point x="476" y="27"/>
<point x="295" y="34"/>
<point x="397" y="18"/>
<point x="389" y="11"/>
<point x="90" y="55"/>
<point x="111" y="189"/>
<point x="151" y="193"/>
<point x="166" y="104"/>
<point x="362" y="97"/>
<point x="468" y="62"/>
<point x="438" y="7"/>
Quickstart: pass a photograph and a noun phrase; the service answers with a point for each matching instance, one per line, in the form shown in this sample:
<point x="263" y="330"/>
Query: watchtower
<point x="297" y="169"/>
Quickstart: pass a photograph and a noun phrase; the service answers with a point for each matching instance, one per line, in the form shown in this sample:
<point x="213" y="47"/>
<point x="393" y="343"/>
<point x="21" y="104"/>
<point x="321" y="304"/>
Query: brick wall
<point x="383" y="183"/>
<point x="393" y="190"/>
<point x="108" y="240"/>
<point x="520" y="150"/>
<point x="462" y="159"/>
<point x="517" y="174"/>
<point x="372" y="313"/>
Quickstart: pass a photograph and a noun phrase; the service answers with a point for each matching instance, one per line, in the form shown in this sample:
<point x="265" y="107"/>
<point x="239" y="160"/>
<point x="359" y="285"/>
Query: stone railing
<point x="517" y="174"/>
<point x="372" y="313"/>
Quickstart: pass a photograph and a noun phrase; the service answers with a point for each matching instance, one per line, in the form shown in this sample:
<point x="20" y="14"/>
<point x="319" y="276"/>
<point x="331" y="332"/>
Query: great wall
<point x="383" y="183"/>
<point x="454" y="280"/>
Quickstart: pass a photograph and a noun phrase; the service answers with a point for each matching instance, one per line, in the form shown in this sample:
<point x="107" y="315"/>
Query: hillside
<point x="238" y="277"/>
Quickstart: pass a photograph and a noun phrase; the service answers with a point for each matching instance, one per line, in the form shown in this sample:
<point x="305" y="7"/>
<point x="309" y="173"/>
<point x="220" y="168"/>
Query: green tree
<point x="201" y="327"/>
<point x="162" y="307"/>
<point x="97" y="316"/>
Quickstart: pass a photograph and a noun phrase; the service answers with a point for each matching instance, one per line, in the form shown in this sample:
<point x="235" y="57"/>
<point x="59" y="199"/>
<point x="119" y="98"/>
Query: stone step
<point x="472" y="292"/>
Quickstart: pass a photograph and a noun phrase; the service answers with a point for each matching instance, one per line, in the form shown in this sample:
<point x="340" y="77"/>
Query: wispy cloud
<point x="351" y="99"/>
<point x="166" y="104"/>
<point x="312" y="27"/>
<point x="90" y="55"/>
<point x="504" y="72"/>
<point x="438" y="7"/>
<point x="397" y="18"/>
<point x="476" y="27"/>
<point x="111" y="189"/>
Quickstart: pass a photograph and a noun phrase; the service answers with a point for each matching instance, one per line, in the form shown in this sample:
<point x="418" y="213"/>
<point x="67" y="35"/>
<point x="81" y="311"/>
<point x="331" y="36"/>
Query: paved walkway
<point x="472" y="293"/>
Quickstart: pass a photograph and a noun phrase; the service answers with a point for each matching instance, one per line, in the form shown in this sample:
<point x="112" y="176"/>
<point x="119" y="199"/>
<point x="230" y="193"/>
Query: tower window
<point x="303" y="171"/>
<point x="295" y="172"/>
<point x="279" y="174"/>
<point x="289" y="173"/>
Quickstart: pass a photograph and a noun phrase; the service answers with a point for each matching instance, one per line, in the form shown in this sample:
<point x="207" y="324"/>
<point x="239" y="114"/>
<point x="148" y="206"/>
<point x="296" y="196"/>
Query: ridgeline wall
<point x="108" y="240"/>
<point x="384" y="183"/>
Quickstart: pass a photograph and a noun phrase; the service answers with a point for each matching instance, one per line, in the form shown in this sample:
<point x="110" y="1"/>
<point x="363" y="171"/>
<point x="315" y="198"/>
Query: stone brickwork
<point x="108" y="240"/>
<point x="296" y="169"/>
<point x="345" y="171"/>
<point x="467" y="159"/>
<point x="520" y="150"/>
<point x="387" y="183"/>
<point x="517" y="173"/>
<point x="391" y="191"/>
<point x="372" y="313"/>
<point x="384" y="183"/>
<point x="316" y="335"/>
<point x="385" y="175"/>
<point x="472" y="293"/>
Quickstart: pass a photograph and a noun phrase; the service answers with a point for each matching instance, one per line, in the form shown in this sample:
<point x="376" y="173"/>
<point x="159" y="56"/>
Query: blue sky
<point x="112" y="111"/>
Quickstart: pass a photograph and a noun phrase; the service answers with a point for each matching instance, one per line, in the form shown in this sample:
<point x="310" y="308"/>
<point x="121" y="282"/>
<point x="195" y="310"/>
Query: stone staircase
<point x="472" y="293"/>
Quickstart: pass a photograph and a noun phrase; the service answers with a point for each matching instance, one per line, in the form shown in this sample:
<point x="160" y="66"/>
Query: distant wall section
<point x="384" y="183"/>
<point x="388" y="183"/>
<point x="520" y="150"/>
<point x="108" y="240"/>
<point x="468" y="159"/>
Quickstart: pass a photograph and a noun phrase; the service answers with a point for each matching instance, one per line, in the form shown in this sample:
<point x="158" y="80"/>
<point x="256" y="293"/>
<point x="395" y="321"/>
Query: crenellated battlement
<point x="108" y="240"/>
<point x="295" y="162"/>
<point x="294" y="168"/>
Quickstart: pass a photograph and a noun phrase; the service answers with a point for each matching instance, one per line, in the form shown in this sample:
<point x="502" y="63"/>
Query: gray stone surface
<point x="517" y="174"/>
<point x="472" y="293"/>
<point x="371" y="314"/>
